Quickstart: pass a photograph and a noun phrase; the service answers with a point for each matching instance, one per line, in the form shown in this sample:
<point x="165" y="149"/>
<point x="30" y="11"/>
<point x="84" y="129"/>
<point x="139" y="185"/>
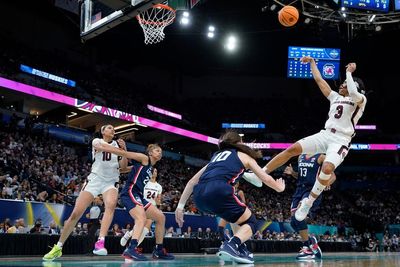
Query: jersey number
<point x="303" y="172"/>
<point x="106" y="156"/>
<point x="339" y="112"/>
<point x="222" y="156"/>
<point x="151" y="195"/>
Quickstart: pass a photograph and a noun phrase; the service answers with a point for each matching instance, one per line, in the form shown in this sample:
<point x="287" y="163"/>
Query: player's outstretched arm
<point x="278" y="185"/>
<point x="351" y="85"/>
<point x="142" y="158"/>
<point x="322" y="84"/>
<point x="185" y="196"/>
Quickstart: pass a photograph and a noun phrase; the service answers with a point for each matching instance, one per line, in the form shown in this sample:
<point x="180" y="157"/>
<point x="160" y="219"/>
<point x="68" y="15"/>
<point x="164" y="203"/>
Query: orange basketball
<point x="288" y="16"/>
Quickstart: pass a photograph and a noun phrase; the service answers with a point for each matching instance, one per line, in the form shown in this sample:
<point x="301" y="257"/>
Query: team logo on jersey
<point x="328" y="70"/>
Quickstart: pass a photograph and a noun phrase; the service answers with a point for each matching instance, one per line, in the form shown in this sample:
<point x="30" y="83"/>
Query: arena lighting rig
<point x="356" y="14"/>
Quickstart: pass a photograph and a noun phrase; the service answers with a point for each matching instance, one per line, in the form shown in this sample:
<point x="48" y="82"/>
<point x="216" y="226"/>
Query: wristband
<point x="181" y="206"/>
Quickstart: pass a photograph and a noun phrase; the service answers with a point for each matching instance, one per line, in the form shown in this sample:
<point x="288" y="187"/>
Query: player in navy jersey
<point x="222" y="223"/>
<point x="213" y="192"/>
<point x="139" y="208"/>
<point x="309" y="167"/>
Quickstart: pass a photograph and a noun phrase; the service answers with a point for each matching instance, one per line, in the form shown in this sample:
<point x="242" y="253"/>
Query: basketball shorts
<point x="334" y="145"/>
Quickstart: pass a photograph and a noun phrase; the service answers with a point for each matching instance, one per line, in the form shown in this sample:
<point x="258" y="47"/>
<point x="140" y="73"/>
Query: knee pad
<point x="252" y="221"/>
<point x="324" y="176"/>
<point x="298" y="226"/>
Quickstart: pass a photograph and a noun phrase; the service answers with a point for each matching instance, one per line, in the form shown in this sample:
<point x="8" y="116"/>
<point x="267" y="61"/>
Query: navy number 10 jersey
<point x="224" y="165"/>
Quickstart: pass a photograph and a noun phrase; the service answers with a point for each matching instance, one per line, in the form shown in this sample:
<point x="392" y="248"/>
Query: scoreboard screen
<point x="327" y="60"/>
<point x="375" y="5"/>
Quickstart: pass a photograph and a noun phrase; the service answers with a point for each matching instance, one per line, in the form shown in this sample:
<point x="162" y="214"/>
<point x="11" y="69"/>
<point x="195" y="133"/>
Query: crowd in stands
<point x="39" y="168"/>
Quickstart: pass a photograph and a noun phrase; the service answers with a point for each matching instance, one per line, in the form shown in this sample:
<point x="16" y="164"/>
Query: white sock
<point x="101" y="238"/>
<point x="144" y="233"/>
<point x="317" y="189"/>
<point x="59" y="244"/>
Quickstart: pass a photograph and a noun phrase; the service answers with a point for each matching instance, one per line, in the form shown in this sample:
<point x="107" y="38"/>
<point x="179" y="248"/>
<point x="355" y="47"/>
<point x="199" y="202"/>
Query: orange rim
<point x="149" y="22"/>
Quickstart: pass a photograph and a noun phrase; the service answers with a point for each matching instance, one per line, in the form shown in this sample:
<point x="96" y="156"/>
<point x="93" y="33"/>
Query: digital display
<point x="396" y="5"/>
<point x="377" y="5"/>
<point x="165" y="112"/>
<point x="365" y="127"/>
<point x="243" y="125"/>
<point x="327" y="60"/>
<point x="47" y="75"/>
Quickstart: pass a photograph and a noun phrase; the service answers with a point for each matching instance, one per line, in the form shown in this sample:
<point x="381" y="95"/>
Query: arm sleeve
<point x="352" y="88"/>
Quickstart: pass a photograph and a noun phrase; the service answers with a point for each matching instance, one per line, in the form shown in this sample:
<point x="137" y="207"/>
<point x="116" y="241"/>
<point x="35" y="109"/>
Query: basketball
<point x="288" y="16"/>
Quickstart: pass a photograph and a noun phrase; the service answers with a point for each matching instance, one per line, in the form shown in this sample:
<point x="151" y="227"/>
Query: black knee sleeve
<point x="298" y="226"/>
<point x="252" y="222"/>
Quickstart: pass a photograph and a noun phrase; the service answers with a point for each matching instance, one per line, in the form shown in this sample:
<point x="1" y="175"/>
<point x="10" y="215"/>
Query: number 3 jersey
<point x="152" y="191"/>
<point x="344" y="113"/>
<point x="105" y="164"/>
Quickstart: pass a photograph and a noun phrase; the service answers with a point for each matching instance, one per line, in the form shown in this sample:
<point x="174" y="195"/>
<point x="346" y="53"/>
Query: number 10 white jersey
<point x="105" y="164"/>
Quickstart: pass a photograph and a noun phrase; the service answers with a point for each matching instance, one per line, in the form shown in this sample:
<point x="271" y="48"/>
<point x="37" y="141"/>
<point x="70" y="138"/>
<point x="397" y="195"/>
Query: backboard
<point x="98" y="16"/>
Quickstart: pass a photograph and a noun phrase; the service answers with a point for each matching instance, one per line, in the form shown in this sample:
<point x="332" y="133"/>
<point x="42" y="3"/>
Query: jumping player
<point x="308" y="170"/>
<point x="346" y="108"/>
<point x="102" y="180"/>
<point x="213" y="192"/>
<point x="152" y="193"/>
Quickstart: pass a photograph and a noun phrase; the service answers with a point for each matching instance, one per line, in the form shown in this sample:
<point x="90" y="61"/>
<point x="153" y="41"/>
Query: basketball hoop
<point x="154" y="20"/>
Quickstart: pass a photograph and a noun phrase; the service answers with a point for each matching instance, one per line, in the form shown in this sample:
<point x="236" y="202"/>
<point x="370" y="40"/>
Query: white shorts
<point x="97" y="185"/>
<point x="334" y="145"/>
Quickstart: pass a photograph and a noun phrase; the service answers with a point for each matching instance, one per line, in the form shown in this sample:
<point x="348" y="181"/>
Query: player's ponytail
<point x="232" y="139"/>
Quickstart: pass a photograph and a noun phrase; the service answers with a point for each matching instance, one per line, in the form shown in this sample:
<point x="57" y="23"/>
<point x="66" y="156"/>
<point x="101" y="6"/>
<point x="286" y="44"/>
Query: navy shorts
<point x="302" y="192"/>
<point x="132" y="199"/>
<point x="217" y="197"/>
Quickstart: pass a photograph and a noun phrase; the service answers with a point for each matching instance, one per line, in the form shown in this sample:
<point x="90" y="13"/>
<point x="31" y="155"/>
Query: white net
<point x="154" y="20"/>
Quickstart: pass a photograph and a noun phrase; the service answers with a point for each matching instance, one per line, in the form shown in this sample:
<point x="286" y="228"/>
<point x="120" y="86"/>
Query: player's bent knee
<point x="297" y="225"/>
<point x="252" y="222"/>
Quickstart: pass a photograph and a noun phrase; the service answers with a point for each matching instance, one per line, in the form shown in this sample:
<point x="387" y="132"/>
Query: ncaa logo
<point x="329" y="70"/>
<point x="334" y="53"/>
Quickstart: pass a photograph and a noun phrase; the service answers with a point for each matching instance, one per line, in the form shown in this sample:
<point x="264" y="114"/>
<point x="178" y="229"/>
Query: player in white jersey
<point x="102" y="179"/>
<point x="152" y="193"/>
<point x="346" y="108"/>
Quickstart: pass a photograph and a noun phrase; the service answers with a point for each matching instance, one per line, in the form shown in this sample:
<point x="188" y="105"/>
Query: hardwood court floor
<point x="385" y="259"/>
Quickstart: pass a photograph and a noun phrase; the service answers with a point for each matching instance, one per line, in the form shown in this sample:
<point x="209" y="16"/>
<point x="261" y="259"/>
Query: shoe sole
<point x="51" y="259"/>
<point x="225" y="256"/>
<point x="101" y="252"/>
<point x="305" y="259"/>
<point x="129" y="259"/>
<point x="124" y="241"/>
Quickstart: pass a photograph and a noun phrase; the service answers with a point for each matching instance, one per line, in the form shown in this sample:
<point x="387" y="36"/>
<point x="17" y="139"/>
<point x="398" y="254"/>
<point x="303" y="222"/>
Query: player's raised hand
<point x="179" y="217"/>
<point x="351" y="67"/>
<point x="121" y="144"/>
<point x="306" y="59"/>
<point x="280" y="185"/>
<point x="288" y="170"/>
